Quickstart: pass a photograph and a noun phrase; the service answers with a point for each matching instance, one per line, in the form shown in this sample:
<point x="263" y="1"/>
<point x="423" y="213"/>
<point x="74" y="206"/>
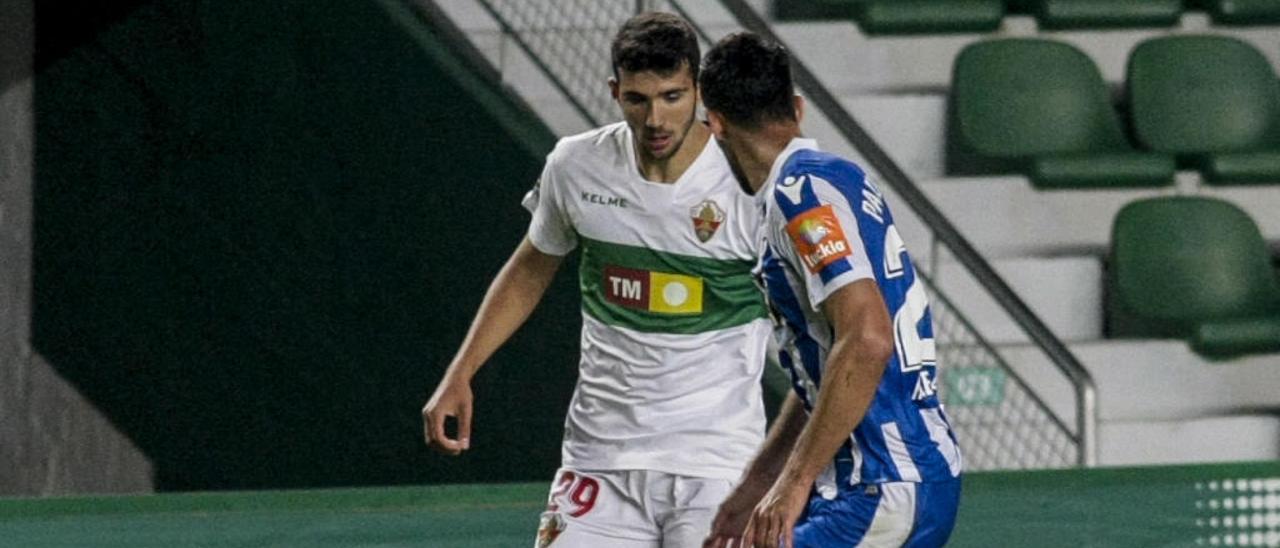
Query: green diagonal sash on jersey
<point x="711" y="294"/>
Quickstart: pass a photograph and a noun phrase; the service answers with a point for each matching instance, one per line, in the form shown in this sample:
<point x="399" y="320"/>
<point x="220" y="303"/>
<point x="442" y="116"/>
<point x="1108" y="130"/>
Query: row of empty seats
<point x="1041" y="108"/>
<point x="1193" y="268"/>
<point x="942" y="16"/>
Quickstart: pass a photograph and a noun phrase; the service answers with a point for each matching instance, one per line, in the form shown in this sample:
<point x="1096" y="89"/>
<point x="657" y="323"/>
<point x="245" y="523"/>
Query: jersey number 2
<point x="914" y="350"/>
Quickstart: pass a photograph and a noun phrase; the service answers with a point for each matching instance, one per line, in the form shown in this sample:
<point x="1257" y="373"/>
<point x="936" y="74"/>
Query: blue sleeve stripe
<point x="831" y="271"/>
<point x="802" y="188"/>
<point x="783" y="296"/>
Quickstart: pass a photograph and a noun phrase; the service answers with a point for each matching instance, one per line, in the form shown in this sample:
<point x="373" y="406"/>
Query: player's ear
<point x="799" y="106"/>
<point x="715" y="123"/>
<point x="613" y="87"/>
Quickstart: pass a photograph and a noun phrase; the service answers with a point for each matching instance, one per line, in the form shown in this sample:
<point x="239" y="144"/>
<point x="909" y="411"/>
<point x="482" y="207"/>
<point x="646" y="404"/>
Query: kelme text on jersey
<point x="613" y="201"/>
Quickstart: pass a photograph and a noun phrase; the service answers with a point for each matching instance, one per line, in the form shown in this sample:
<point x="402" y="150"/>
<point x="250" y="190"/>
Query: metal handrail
<point x="524" y="46"/>
<point x="944" y="231"/>
<point x="538" y="141"/>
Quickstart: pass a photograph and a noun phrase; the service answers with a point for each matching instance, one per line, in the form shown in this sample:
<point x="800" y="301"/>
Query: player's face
<point x="659" y="108"/>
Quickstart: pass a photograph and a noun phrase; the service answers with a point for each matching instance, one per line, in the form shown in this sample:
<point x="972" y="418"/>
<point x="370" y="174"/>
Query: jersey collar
<point x="796" y="144"/>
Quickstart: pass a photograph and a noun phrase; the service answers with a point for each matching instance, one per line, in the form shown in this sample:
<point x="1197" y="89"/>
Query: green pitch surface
<point x="457" y="515"/>
<point x="1149" y="506"/>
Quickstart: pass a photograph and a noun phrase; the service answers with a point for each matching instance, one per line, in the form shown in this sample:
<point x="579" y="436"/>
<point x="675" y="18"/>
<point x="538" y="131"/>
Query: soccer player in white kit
<point x="667" y="411"/>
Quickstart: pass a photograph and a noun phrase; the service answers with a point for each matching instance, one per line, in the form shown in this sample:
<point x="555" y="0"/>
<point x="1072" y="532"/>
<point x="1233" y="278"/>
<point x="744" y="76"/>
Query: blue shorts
<point x="917" y="515"/>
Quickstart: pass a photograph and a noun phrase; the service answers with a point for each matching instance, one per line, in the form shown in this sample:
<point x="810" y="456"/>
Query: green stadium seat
<point x="1076" y="14"/>
<point x="1040" y="108"/>
<point x="1193" y="268"/>
<point x="930" y="16"/>
<point x="1021" y="6"/>
<point x="808" y="10"/>
<point x="1213" y="101"/>
<point x="1240" y="12"/>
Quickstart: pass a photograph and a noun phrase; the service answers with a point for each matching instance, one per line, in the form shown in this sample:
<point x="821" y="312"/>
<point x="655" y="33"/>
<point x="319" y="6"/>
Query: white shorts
<point x="629" y="509"/>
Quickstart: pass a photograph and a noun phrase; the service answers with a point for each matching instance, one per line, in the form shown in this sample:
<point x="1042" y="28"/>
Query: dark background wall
<point x="261" y="229"/>
<point x="52" y="440"/>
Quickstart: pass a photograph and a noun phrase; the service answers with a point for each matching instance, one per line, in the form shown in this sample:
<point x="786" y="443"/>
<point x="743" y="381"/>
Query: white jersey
<point x="674" y="328"/>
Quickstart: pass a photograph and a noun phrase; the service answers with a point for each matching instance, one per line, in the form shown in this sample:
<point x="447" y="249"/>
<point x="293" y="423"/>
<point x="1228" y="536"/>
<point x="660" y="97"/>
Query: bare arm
<point x="511" y="298"/>
<point x="863" y="344"/>
<point x="862" y="347"/>
<point x="733" y="514"/>
<point x="773" y="454"/>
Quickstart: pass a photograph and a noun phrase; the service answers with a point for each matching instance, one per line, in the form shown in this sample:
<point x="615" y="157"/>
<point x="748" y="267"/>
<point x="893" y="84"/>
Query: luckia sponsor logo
<point x="818" y="237"/>
<point x="827" y="250"/>
<point x="813" y="231"/>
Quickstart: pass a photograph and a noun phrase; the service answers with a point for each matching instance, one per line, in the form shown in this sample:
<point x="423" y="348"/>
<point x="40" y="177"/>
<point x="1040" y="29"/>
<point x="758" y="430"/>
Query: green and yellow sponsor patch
<point x="655" y="291"/>
<point x="659" y="292"/>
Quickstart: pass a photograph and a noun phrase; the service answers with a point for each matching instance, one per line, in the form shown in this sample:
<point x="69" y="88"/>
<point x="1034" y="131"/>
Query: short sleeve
<point x="821" y="236"/>
<point x="549" y="230"/>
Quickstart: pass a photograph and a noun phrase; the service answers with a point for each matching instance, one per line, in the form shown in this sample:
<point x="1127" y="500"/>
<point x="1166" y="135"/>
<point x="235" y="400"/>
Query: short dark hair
<point x="747" y="79"/>
<point x="658" y="42"/>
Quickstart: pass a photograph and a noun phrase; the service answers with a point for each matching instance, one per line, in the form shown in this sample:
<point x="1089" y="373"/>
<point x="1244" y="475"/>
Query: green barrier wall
<point x="1182" y="506"/>
<point x="261" y="231"/>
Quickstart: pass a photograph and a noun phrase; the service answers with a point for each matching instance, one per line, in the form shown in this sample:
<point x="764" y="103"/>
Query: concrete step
<point x="849" y="61"/>
<point x="1065" y="292"/>
<point x="1231" y="438"/>
<point x="1153" y="379"/>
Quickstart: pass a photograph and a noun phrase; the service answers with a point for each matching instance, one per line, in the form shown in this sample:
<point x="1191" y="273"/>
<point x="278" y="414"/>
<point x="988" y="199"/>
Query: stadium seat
<point x="1040" y="108"/>
<point x="1240" y="12"/>
<point x="806" y="10"/>
<point x="930" y="16"/>
<point x="1076" y="14"/>
<point x="1213" y="101"/>
<point x="1020" y="6"/>
<point x="1193" y="268"/>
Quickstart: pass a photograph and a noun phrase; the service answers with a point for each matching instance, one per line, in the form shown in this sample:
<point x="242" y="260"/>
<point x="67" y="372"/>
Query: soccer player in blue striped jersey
<point x="861" y="453"/>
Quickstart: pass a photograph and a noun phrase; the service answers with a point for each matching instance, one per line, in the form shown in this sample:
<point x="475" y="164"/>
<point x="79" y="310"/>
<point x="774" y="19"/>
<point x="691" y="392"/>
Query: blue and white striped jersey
<point x="826" y="226"/>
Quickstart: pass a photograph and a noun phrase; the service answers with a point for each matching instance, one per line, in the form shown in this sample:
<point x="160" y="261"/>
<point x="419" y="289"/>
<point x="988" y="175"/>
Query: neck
<point x="669" y="169"/>
<point x="762" y="151"/>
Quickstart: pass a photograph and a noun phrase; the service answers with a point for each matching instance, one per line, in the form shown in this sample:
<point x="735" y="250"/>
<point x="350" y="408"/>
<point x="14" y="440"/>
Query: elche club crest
<point x="707" y="218"/>
<point x="549" y="529"/>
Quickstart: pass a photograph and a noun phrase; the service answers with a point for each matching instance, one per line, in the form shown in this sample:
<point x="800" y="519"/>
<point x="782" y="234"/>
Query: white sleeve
<point x="549" y="230"/>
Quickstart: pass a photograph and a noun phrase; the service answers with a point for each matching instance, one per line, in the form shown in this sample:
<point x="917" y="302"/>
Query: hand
<point x="774" y="518"/>
<point x="731" y="519"/>
<point x="451" y="399"/>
